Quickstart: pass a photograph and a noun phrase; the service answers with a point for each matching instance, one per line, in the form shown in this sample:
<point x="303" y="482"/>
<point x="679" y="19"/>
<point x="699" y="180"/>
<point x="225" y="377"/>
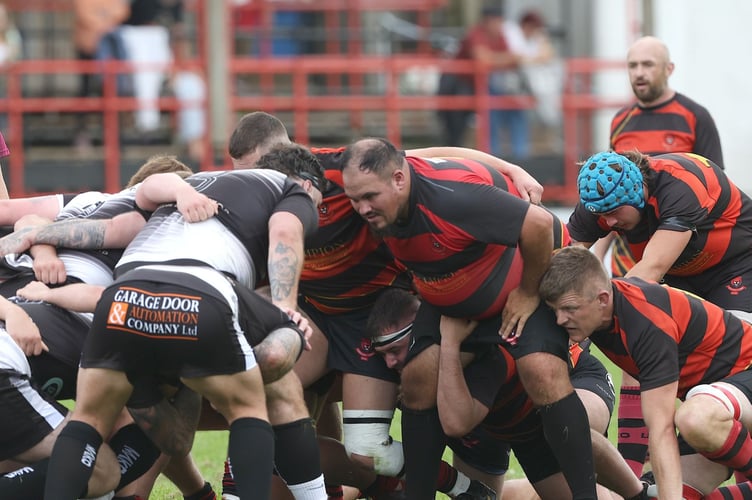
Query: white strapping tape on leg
<point x="367" y="433"/>
<point x="720" y="394"/>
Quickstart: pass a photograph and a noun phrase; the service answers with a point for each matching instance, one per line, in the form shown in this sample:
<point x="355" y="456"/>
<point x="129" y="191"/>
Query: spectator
<point x="146" y="35"/>
<point x="94" y="20"/>
<point x="540" y="69"/>
<point x="189" y="86"/>
<point x="10" y="50"/>
<point x="10" y="38"/>
<point x="4" y="152"/>
<point x="484" y="43"/>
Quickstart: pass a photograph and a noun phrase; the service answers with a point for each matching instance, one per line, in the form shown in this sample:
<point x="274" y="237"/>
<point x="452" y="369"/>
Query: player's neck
<point x="666" y="96"/>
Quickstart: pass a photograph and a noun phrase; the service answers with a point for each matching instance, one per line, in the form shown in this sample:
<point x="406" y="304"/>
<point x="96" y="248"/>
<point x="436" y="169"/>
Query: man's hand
<point x="529" y="188"/>
<point x="48" y="268"/>
<point x="455" y="330"/>
<point x="24" y="332"/>
<point x="34" y="291"/>
<point x="194" y="206"/>
<point x="302" y="323"/>
<point x="519" y="307"/>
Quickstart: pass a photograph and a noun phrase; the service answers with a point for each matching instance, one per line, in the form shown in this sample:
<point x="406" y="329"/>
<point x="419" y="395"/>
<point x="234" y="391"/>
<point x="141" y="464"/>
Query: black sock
<point x="72" y="461"/>
<point x="423" y="443"/>
<point x="26" y="482"/>
<point x="251" y="450"/>
<point x="567" y="431"/>
<point x="296" y="451"/>
<point x="205" y="493"/>
<point x="135" y="453"/>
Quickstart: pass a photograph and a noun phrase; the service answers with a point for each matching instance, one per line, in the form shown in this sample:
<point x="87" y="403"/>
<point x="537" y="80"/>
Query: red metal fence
<point x="579" y="100"/>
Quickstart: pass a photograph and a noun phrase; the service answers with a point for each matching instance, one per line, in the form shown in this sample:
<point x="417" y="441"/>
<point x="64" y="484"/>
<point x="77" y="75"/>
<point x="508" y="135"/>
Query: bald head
<point x="650" y="46"/>
<point x="650" y="66"/>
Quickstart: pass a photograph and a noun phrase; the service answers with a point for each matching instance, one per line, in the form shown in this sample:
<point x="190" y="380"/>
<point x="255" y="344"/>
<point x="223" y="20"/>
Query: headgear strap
<point x="388" y="338"/>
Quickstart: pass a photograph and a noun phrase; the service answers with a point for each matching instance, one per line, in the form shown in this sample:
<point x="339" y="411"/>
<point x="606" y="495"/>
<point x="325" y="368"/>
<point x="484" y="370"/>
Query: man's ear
<point x="399" y="178"/>
<point x="603" y="297"/>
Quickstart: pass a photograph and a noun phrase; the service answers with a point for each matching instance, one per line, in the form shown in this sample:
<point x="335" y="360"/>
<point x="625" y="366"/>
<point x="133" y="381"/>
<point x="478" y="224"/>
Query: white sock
<point x="460" y="485"/>
<point x="312" y="490"/>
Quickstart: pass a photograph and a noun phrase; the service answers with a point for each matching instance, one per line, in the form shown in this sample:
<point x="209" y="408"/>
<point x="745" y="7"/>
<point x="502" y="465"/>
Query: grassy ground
<point x="210" y="448"/>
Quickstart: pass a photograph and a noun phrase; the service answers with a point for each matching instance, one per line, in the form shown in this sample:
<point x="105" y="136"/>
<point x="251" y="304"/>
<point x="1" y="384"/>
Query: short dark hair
<point x="372" y="154"/>
<point x="572" y="269"/>
<point x="297" y="161"/>
<point x="393" y="306"/>
<point x="255" y="130"/>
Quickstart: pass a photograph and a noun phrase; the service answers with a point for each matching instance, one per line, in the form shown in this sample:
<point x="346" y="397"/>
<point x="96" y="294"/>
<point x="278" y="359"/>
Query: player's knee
<point x="704" y="403"/>
<point x="366" y="433"/>
<point x="277" y="353"/>
<point x="720" y="394"/>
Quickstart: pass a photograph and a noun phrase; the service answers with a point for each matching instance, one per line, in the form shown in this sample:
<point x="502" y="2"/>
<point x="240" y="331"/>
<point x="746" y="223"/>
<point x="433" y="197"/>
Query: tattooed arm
<point x="285" y="258"/>
<point x="171" y="423"/>
<point x="77" y="233"/>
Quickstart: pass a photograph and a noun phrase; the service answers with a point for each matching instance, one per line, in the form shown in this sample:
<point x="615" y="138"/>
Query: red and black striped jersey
<point x="460" y="238"/>
<point x="675" y="126"/>
<point x="661" y="334"/>
<point x="346" y="265"/>
<point x="685" y="192"/>
<point x="679" y="125"/>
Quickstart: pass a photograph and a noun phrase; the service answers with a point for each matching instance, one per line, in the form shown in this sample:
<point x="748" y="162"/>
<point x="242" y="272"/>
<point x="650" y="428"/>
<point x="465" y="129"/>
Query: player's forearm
<point x="649" y="271"/>
<point x="454" y="401"/>
<point x="8" y="308"/>
<point x="158" y="189"/>
<point x="71" y="233"/>
<point x="88" y="234"/>
<point x="664" y="458"/>
<point x="285" y="261"/>
<point x="285" y="265"/>
<point x="78" y="297"/>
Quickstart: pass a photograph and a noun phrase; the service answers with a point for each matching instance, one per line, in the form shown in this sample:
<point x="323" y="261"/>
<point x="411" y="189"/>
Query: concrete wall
<point x="710" y="44"/>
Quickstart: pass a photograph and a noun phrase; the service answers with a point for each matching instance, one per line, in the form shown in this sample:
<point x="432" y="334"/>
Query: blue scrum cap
<point x="609" y="180"/>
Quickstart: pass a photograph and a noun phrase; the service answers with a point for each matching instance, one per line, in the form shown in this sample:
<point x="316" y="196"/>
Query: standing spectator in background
<point x="661" y="120"/>
<point x="189" y="86"/>
<point x="4" y="153"/>
<point x="484" y="43"/>
<point x="10" y="50"/>
<point x="10" y="38"/>
<point x="540" y="69"/>
<point x="146" y="35"/>
<point x="94" y="19"/>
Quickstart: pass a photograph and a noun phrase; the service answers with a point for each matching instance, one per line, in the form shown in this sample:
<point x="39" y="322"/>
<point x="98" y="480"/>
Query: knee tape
<point x="366" y="433"/>
<point x="720" y="394"/>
